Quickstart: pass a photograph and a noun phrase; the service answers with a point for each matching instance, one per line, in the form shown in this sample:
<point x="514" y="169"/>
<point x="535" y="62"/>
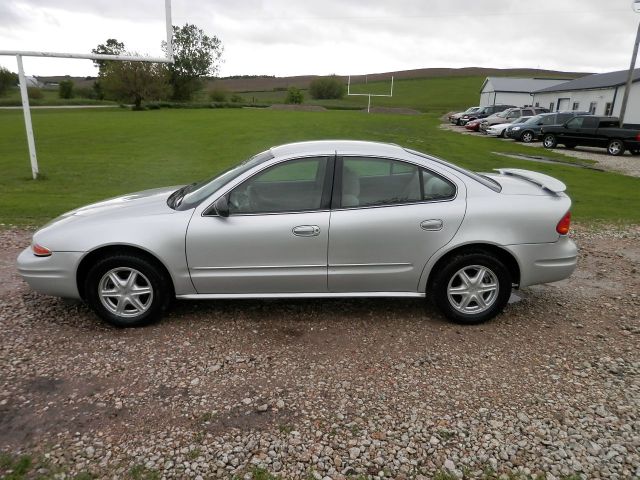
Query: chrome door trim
<point x="265" y="267"/>
<point x="213" y="296"/>
<point x="401" y="264"/>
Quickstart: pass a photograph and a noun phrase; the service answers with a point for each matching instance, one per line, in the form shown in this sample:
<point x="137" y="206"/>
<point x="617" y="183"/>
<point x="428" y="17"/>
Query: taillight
<point x="638" y="137"/>
<point x="564" y="224"/>
<point x="40" y="251"/>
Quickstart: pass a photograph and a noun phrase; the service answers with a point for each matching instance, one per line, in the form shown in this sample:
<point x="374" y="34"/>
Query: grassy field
<point x="437" y="95"/>
<point x="87" y="155"/>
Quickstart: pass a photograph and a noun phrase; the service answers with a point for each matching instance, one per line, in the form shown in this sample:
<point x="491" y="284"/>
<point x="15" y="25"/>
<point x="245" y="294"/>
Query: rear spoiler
<point x="545" y="181"/>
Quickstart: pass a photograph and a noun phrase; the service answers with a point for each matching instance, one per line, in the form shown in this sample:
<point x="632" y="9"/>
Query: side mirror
<point x="222" y="206"/>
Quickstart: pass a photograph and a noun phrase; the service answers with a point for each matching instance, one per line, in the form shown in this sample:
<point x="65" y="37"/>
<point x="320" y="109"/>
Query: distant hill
<point x="266" y="83"/>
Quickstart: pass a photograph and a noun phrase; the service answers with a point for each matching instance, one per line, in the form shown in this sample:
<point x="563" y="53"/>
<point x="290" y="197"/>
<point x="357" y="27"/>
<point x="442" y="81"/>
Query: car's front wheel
<point x="127" y="291"/>
<point x="615" y="147"/>
<point x="549" y="141"/>
<point x="472" y="288"/>
<point x="527" y="137"/>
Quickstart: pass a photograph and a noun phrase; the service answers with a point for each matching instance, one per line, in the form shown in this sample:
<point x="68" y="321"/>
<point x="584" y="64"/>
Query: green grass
<point x="50" y="97"/>
<point x="437" y="94"/>
<point x="88" y="155"/>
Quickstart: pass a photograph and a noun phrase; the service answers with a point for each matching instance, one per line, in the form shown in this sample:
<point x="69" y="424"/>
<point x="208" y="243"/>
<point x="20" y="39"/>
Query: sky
<point x="302" y="37"/>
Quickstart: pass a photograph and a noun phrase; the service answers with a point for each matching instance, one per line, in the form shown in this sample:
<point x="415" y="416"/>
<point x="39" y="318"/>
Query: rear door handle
<point x="306" y="230"/>
<point x="431" y="225"/>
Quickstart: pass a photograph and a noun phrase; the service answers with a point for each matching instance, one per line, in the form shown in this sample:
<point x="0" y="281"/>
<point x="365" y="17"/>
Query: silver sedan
<point x="313" y="219"/>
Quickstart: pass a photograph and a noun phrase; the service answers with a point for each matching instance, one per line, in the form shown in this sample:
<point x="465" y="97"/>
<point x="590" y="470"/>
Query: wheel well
<point x="92" y="257"/>
<point x="500" y="253"/>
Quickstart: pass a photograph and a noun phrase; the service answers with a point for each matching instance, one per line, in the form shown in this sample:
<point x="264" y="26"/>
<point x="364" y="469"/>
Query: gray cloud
<point x="301" y="37"/>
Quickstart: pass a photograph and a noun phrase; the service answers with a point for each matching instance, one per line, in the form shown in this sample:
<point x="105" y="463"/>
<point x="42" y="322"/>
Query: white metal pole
<point x="369" y="105"/>
<point x="27" y="118"/>
<point x="167" y="8"/>
<point x="625" y="98"/>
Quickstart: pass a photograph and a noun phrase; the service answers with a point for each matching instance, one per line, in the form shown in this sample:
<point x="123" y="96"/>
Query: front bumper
<point x="54" y="275"/>
<point x="545" y="262"/>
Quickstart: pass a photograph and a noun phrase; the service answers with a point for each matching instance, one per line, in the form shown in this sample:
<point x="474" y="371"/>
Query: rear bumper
<point x="54" y="275"/>
<point x="545" y="262"/>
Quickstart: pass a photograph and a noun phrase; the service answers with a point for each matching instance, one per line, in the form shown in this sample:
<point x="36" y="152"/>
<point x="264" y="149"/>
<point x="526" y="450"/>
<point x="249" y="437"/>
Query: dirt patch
<point x="301" y="108"/>
<point x="394" y="110"/>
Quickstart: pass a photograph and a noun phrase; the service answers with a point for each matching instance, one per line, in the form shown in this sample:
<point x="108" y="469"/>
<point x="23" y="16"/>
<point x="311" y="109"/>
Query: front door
<point x="391" y="218"/>
<point x="275" y="237"/>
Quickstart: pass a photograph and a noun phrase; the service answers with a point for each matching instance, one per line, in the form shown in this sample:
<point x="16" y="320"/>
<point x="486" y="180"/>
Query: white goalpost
<point x="84" y="56"/>
<point x="390" y="94"/>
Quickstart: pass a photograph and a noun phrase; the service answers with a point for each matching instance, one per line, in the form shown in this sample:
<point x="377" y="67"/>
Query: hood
<point x="147" y="202"/>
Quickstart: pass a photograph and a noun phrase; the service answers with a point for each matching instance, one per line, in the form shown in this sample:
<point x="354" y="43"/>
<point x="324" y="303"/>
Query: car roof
<point x="341" y="146"/>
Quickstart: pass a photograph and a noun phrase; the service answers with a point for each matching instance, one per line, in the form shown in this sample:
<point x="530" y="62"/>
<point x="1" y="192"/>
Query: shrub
<point x="65" y="89"/>
<point x="235" y="98"/>
<point x="34" y="93"/>
<point x="294" y="95"/>
<point x="86" y="92"/>
<point x="218" y="95"/>
<point x="8" y="79"/>
<point x="327" y="87"/>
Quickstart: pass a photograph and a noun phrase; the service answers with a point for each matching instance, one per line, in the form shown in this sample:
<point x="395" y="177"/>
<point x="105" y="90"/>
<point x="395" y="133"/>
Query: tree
<point x="8" y="79"/>
<point x="65" y="89"/>
<point x="195" y="55"/>
<point x="294" y="95"/>
<point x="327" y="87"/>
<point x="135" y="81"/>
<point x="110" y="47"/>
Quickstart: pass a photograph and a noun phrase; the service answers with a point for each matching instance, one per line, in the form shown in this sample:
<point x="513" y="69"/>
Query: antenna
<point x="368" y="94"/>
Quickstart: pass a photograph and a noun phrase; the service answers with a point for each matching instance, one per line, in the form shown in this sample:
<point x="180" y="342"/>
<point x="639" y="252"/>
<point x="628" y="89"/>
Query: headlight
<point x="516" y="128"/>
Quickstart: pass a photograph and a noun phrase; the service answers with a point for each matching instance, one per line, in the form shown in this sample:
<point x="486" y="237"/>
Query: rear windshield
<point x="486" y="181"/>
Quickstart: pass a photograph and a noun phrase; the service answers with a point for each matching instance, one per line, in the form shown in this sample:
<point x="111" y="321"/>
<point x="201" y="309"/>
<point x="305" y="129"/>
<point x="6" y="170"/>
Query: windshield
<point x="523" y="119"/>
<point x="535" y="119"/>
<point x="191" y="195"/>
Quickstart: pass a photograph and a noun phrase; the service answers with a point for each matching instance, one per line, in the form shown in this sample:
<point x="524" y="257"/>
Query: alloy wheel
<point x="473" y="289"/>
<point x="125" y="292"/>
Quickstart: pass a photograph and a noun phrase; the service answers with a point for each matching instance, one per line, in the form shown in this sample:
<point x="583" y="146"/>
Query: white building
<point x="600" y="94"/>
<point x="513" y="91"/>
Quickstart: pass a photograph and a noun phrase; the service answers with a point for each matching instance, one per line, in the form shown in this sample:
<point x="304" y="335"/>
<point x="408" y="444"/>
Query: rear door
<point x="388" y="218"/>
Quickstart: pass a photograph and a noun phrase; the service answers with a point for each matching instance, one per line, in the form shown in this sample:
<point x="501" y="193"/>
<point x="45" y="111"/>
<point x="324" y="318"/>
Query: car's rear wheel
<point x="527" y="137"/>
<point x="615" y="147"/>
<point x="127" y="291"/>
<point x="549" y="141"/>
<point x="472" y="288"/>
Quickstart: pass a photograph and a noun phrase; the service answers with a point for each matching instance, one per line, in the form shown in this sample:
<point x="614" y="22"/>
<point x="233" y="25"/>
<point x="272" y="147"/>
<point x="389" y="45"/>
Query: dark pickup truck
<point x="592" y="131"/>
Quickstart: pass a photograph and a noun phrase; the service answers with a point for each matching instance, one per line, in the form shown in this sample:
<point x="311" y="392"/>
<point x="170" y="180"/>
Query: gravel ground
<point x="330" y="389"/>
<point x="626" y="164"/>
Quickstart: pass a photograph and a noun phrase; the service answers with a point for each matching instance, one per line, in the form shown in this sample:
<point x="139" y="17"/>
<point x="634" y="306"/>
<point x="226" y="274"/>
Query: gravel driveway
<point x="330" y="389"/>
<point x="626" y="164"/>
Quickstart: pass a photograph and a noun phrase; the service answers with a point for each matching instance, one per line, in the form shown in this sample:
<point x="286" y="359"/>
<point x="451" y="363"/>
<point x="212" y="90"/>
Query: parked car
<point x="483" y="113"/>
<point x="455" y="118"/>
<point x="592" y="131"/>
<point x="510" y="114"/>
<point x="473" y="125"/>
<point x="531" y="130"/>
<point x="313" y="219"/>
<point x="500" y="129"/>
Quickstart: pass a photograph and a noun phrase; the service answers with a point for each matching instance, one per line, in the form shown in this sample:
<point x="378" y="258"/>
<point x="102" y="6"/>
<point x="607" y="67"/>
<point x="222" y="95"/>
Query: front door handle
<point x="306" y="230"/>
<point x="431" y="225"/>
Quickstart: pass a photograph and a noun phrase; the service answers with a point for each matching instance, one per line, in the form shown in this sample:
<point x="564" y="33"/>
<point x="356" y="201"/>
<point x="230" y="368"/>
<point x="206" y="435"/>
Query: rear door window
<point x="368" y="182"/>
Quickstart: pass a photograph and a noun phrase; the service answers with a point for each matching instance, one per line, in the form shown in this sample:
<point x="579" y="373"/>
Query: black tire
<point x="449" y="274"/>
<point x="503" y="133"/>
<point x="527" y="136"/>
<point x="549" y="141"/>
<point x="147" y="276"/>
<point x="616" y="147"/>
